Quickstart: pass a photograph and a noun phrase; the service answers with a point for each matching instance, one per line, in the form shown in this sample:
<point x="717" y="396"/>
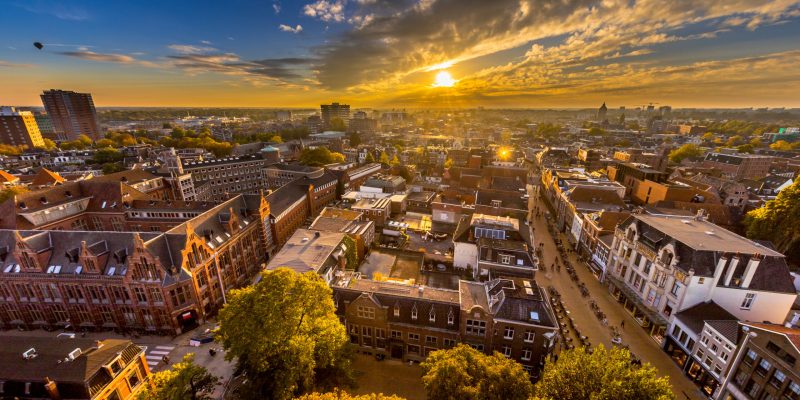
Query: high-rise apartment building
<point x="19" y="128"/>
<point x="45" y="124"/>
<point x="334" y="110"/>
<point x="73" y="114"/>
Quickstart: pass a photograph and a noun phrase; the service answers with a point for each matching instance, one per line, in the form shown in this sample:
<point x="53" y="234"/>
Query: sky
<point x="388" y="54"/>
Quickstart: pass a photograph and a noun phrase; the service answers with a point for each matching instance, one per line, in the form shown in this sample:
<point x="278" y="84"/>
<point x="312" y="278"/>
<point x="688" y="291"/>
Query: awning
<point x="633" y="297"/>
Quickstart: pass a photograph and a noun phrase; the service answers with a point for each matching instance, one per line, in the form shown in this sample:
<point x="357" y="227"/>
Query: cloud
<point x="287" y="28"/>
<point x="60" y="10"/>
<point x="206" y="42"/>
<point x="9" y="64"/>
<point x="326" y="10"/>
<point x="104" y="57"/>
<point x="191" y="49"/>
<point x="401" y="42"/>
<point x="257" y="72"/>
<point x="276" y="6"/>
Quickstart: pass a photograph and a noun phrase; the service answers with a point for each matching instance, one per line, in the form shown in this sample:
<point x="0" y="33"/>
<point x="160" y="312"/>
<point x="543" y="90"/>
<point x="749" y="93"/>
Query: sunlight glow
<point x="444" y="79"/>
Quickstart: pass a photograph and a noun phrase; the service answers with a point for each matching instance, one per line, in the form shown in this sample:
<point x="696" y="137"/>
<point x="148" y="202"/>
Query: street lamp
<point x="736" y="361"/>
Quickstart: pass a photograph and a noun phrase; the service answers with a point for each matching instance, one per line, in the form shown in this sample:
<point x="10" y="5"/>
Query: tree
<point x="745" y="148"/>
<point x="688" y="150"/>
<point x="778" y="221"/>
<point x="49" y="144"/>
<point x="734" y="141"/>
<point x="465" y="373"/>
<point x="370" y="158"/>
<point x="756" y="142"/>
<point x="384" y="158"/>
<point x="547" y="130"/>
<point x="341" y="395"/>
<point x="354" y="138"/>
<point x="708" y="137"/>
<point x="107" y="155"/>
<point x="284" y="332"/>
<point x="781" y="145"/>
<point x="319" y="156"/>
<point x="110" y="168"/>
<point x="11" y="191"/>
<point x="9" y="150"/>
<point x="595" y="131"/>
<point x="448" y="163"/>
<point x="85" y="140"/>
<point x="606" y="374"/>
<point x="395" y="161"/>
<point x="276" y="139"/>
<point x="185" y="381"/>
<point x="337" y="124"/>
<point x="103" y="143"/>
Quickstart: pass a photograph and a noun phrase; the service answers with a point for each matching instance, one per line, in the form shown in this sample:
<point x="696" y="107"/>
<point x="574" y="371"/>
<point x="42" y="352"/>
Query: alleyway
<point x="639" y="342"/>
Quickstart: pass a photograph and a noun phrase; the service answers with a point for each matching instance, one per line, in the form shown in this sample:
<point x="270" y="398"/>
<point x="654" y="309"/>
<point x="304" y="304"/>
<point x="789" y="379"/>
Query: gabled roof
<point x="694" y="317"/>
<point x="45" y="177"/>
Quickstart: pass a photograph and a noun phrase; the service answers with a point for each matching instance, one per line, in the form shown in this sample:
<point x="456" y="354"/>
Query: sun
<point x="444" y="79"/>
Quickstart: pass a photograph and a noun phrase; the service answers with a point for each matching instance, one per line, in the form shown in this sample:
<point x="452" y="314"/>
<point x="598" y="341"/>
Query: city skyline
<point x="376" y="53"/>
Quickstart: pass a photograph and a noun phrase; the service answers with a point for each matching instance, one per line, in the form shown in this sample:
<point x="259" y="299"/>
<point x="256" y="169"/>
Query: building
<point x="219" y="178"/>
<point x="491" y="246"/>
<point x="277" y="175"/>
<point x="404" y="322"/>
<point x="383" y="184"/>
<point x="63" y="368"/>
<point x="19" y="128"/>
<point x="662" y="265"/>
<point x="147" y="281"/>
<point x="335" y="110"/>
<point x="375" y="210"/>
<point x="766" y="366"/>
<point x="45" y="125"/>
<point x="72" y="114"/>
<point x="631" y="175"/>
<point x="691" y="130"/>
<point x="740" y="165"/>
<point x="602" y="113"/>
<point x="350" y="222"/>
<point x="313" y="251"/>
<point x="657" y="161"/>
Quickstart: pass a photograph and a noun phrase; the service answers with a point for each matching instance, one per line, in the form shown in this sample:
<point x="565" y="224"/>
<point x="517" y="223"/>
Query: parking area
<point x="390" y="263"/>
<point x="390" y="377"/>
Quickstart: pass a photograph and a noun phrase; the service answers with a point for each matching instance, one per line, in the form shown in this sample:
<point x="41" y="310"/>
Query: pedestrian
<point x="622" y="325"/>
<point x="165" y="359"/>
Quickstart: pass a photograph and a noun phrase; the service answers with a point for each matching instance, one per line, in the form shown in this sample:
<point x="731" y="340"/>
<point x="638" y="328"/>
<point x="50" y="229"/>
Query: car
<point x="68" y="335"/>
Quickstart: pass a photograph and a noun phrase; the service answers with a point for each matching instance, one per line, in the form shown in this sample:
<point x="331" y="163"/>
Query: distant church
<point x="602" y="114"/>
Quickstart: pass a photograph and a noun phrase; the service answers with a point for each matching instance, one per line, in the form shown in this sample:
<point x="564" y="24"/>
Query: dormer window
<point x="43" y="200"/>
<point x="505" y="259"/>
<point x="432" y="316"/>
<point x="414" y="312"/>
<point x="450" y="318"/>
<point x="396" y="310"/>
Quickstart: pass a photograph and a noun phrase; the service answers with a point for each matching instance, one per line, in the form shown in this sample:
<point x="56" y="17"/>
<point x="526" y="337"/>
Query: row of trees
<point x="286" y="338"/>
<point x="779" y="222"/>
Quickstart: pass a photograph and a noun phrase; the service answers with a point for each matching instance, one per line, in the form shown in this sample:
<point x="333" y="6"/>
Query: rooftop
<point x="307" y="250"/>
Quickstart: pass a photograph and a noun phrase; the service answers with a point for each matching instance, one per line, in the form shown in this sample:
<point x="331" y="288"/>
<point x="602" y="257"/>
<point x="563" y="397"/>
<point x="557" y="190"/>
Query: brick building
<point x="510" y="316"/>
<point x="739" y="166"/>
<point x="19" y="128"/>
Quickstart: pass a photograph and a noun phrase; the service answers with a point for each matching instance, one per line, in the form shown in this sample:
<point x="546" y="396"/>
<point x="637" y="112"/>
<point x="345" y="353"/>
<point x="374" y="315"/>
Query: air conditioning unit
<point x="74" y="354"/>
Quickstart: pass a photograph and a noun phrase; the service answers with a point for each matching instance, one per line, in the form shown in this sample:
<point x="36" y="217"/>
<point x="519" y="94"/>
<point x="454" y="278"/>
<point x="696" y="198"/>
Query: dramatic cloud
<point x="85" y="54"/>
<point x="287" y="28"/>
<point x="326" y="10"/>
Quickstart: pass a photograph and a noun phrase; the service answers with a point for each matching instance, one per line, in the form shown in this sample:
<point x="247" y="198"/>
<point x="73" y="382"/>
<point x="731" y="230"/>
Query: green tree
<point x="9" y="150"/>
<point x="103" y="143"/>
<point x="745" y="148"/>
<point x="341" y="395"/>
<point x="778" y="221"/>
<point x="107" y="155"/>
<point x="184" y="381"/>
<point x="85" y="140"/>
<point x="606" y="374"/>
<point x="756" y="142"/>
<point x="686" y="151"/>
<point x="337" y="124"/>
<point x="735" y="140"/>
<point x="275" y="139"/>
<point x="354" y="138"/>
<point x="49" y="144"/>
<point x="708" y="137"/>
<point x="595" y="131"/>
<point x="284" y="333"/>
<point x="781" y="145"/>
<point x="384" y="159"/>
<point x="465" y="373"/>
<point x="394" y="161"/>
<point x="319" y="156"/>
<point x="370" y="158"/>
<point x="110" y="168"/>
<point x="547" y="130"/>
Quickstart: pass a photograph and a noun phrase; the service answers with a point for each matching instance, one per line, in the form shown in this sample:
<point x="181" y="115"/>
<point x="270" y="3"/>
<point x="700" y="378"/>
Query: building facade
<point x="19" y="128"/>
<point x="72" y="114"/>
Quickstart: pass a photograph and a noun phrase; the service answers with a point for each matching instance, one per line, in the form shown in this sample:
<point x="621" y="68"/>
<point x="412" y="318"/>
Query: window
<point x="413" y="337"/>
<point x="526" y="354"/>
<point x="448" y="343"/>
<point x="676" y="331"/>
<point x="792" y="391"/>
<point x="475" y="327"/>
<point x="750" y="357"/>
<point x="529" y="335"/>
<point x="396" y="334"/>
<point x="700" y="354"/>
<point x="508" y="333"/>
<point x="505" y="259"/>
<point x="450" y="318"/>
<point x="365" y="312"/>
<point x="432" y="316"/>
<point x="752" y="388"/>
<point x="763" y="367"/>
<point x="413" y="349"/>
<point x="414" y="313"/>
<point x="777" y="379"/>
<point x="717" y="370"/>
<point x="396" y="311"/>
<point x="133" y="379"/>
<point x="506" y="351"/>
<point x="430" y="340"/>
<point x="748" y="301"/>
<point x="675" y="288"/>
<point x="714" y="348"/>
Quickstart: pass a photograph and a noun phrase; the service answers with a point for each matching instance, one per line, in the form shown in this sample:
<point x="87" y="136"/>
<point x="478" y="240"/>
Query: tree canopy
<point x="779" y="222"/>
<point x="688" y="150"/>
<point x="184" y="381"/>
<point x="340" y="395"/>
<point x="337" y="124"/>
<point x="606" y="374"/>
<point x="465" y="373"/>
<point x="370" y="158"/>
<point x="285" y="335"/>
<point x="320" y="156"/>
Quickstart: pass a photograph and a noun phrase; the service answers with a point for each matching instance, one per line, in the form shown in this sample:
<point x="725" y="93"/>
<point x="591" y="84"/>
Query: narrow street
<point x="639" y="342"/>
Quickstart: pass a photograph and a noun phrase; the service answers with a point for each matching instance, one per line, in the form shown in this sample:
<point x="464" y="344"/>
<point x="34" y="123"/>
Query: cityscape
<point x="388" y="200"/>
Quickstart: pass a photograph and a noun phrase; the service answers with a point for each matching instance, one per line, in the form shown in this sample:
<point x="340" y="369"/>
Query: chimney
<point x="750" y="270"/>
<point x="717" y="275"/>
<point x="52" y="388"/>
<point x="731" y="269"/>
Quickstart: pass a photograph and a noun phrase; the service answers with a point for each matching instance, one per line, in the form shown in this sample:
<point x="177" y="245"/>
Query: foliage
<point x="745" y="148"/>
<point x="606" y="374"/>
<point x="595" y="131"/>
<point x="182" y="139"/>
<point x="448" y="163"/>
<point x="319" y="156"/>
<point x="110" y="168"/>
<point x="341" y="395"/>
<point x="370" y="158"/>
<point x="107" y="155"/>
<point x="354" y="138"/>
<point x="405" y="173"/>
<point x="186" y="380"/>
<point x="275" y="139"/>
<point x="12" y="191"/>
<point x="688" y="150"/>
<point x="548" y="130"/>
<point x="384" y="158"/>
<point x="781" y="145"/>
<point x="739" y="127"/>
<point x="352" y="252"/>
<point x="735" y="140"/>
<point x="465" y="373"/>
<point x="337" y="124"/>
<point x="285" y="335"/>
<point x="9" y="150"/>
<point x="394" y="161"/>
<point x="49" y="144"/>
<point x="779" y="222"/>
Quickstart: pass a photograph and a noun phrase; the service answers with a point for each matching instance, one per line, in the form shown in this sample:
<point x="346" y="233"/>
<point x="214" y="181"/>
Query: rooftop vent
<point x="305" y="240"/>
<point x="74" y="354"/>
<point x="29" y="354"/>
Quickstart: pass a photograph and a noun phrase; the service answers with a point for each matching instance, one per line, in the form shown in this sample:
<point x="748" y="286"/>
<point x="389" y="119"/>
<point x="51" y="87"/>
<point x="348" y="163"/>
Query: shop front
<point x="649" y="320"/>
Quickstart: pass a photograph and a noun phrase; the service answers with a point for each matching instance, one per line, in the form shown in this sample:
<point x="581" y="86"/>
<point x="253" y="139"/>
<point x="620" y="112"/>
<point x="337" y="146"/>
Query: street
<point x="639" y="342"/>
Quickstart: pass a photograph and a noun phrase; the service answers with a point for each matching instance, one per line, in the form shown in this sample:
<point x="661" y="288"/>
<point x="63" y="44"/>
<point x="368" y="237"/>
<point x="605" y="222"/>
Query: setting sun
<point x="444" y="79"/>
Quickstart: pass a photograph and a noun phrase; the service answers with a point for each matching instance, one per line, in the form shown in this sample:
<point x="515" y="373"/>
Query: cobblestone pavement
<point x="638" y="340"/>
